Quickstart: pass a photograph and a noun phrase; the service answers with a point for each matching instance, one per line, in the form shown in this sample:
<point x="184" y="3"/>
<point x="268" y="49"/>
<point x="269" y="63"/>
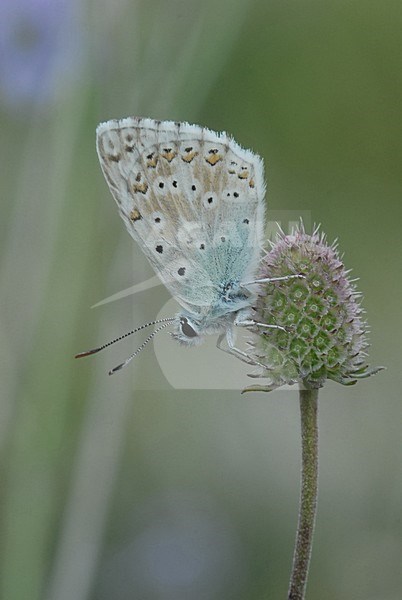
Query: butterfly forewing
<point x="193" y="199"/>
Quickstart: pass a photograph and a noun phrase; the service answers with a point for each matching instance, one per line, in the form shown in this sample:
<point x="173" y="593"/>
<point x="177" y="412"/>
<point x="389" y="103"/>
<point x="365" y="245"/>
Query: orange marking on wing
<point x="213" y="159"/>
<point x="135" y="215"/>
<point x="168" y="154"/>
<point x="140" y="187"/>
<point x="189" y="156"/>
<point x="152" y="160"/>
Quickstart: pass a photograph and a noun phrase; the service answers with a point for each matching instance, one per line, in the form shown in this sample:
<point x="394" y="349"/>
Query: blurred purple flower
<point x="40" y="43"/>
<point x="181" y="546"/>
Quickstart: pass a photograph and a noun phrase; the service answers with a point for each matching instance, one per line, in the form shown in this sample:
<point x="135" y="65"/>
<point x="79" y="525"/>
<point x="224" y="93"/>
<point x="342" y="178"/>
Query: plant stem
<point x="308" y="494"/>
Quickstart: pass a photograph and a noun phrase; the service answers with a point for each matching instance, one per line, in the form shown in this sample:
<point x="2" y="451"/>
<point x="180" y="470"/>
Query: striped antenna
<point x="140" y="349"/>
<point x="121" y="337"/>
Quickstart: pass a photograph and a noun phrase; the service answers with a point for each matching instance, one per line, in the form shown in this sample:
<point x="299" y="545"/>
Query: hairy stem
<point x="308" y="494"/>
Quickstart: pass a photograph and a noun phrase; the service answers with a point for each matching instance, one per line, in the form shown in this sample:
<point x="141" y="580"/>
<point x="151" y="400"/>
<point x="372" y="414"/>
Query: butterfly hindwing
<point x="193" y="199"/>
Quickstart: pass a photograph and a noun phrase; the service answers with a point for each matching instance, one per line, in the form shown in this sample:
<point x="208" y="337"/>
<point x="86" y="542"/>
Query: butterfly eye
<point x="186" y="328"/>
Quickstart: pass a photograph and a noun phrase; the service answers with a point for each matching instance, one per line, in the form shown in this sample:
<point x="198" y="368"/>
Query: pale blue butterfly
<point x="193" y="199"/>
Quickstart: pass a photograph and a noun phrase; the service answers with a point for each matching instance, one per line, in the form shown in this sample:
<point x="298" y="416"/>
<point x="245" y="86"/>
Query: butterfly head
<point x="190" y="330"/>
<point x="187" y="330"/>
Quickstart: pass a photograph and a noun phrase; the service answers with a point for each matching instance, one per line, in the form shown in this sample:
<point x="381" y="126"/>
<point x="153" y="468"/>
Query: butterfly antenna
<point x="140" y="349"/>
<point x="121" y="337"/>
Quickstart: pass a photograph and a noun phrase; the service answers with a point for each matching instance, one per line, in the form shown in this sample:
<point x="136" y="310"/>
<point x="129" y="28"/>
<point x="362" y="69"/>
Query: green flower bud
<point x="325" y="334"/>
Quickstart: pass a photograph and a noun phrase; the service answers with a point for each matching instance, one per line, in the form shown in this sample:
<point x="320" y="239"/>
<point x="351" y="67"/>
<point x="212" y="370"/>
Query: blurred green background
<point x="124" y="487"/>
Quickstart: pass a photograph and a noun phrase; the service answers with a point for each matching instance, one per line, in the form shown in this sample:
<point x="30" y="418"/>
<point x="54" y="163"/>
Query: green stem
<point x="308" y="494"/>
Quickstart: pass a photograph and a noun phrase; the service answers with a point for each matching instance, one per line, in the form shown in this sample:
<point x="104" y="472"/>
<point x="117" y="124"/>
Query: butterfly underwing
<point x="193" y="200"/>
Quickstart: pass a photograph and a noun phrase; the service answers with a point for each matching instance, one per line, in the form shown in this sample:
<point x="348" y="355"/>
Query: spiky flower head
<point x="324" y="334"/>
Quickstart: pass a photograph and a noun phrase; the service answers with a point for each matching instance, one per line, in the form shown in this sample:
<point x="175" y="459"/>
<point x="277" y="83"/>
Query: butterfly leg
<point x="271" y="279"/>
<point x="243" y="322"/>
<point x="231" y="349"/>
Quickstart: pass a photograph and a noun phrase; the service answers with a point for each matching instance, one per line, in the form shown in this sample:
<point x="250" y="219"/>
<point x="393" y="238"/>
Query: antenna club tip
<point x="87" y="353"/>
<point x="115" y="369"/>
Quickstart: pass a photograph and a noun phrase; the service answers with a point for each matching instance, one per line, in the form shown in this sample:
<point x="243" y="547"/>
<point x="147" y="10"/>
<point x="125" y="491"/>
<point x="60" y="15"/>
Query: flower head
<point x="323" y="334"/>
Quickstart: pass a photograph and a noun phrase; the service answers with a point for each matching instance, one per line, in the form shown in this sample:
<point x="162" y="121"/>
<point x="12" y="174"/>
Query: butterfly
<point x="193" y="200"/>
